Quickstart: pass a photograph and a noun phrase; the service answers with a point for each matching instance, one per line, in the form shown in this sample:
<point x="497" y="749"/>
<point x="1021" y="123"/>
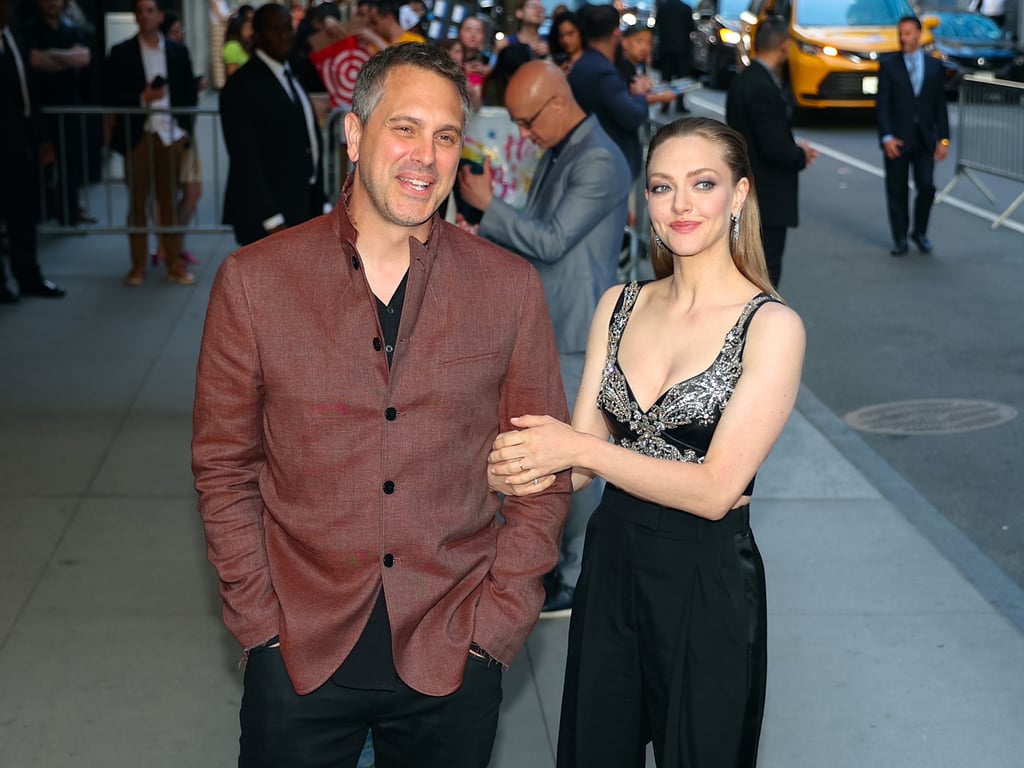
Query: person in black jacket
<point x="913" y="128"/>
<point x="675" y="48"/>
<point x="20" y="131"/>
<point x="275" y="172"/>
<point x="151" y="71"/>
<point x="756" y="107"/>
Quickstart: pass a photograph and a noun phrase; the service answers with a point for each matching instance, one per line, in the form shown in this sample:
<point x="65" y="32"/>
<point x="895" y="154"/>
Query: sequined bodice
<point x="681" y="423"/>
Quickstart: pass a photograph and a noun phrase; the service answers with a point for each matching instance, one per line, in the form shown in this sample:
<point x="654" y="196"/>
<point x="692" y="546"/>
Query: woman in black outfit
<point x="692" y="376"/>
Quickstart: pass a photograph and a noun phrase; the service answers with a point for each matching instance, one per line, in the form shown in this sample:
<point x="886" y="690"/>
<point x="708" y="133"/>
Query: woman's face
<point x="569" y="38"/>
<point x="457" y="53"/>
<point x="176" y="32"/>
<point x="690" y="195"/>
<point x="471" y="33"/>
<point x="246" y="31"/>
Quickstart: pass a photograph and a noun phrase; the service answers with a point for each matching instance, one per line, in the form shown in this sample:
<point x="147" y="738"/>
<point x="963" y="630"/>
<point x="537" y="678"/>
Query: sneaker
<point x="182" y="278"/>
<point x="558" y="602"/>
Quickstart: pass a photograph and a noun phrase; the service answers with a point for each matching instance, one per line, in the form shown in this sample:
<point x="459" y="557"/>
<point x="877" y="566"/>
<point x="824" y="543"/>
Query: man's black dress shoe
<point x="899" y="248"/>
<point x="7" y="297"/>
<point x="924" y="245"/>
<point x="44" y="289"/>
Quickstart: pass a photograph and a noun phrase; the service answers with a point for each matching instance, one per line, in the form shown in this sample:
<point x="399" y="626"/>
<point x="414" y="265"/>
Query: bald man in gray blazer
<point x="571" y="230"/>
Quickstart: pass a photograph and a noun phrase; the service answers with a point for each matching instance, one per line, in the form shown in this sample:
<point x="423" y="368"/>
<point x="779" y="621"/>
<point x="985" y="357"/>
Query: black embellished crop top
<point x="680" y="424"/>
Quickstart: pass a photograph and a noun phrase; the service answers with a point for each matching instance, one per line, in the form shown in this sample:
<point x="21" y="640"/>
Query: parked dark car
<point x="972" y="44"/>
<point x="714" y="42"/>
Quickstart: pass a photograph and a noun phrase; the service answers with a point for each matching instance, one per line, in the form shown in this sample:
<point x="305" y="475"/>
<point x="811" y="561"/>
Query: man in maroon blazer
<point x="354" y="372"/>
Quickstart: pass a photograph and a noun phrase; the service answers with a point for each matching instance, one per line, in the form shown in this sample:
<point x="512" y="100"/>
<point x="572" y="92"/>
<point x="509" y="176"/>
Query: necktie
<point x="297" y="101"/>
<point x="290" y="79"/>
<point x="914" y="70"/>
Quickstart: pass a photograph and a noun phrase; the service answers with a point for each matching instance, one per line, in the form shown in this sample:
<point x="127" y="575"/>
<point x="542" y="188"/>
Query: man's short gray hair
<point x="373" y="77"/>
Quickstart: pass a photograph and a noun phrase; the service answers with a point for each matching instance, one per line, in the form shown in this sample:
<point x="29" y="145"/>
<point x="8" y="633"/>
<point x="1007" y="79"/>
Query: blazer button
<point x="389" y="560"/>
<point x="390" y="414"/>
<point x="377" y="345"/>
<point x="389" y="487"/>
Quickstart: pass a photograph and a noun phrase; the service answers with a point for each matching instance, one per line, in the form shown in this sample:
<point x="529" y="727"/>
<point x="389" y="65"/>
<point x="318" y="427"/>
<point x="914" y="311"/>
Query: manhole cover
<point x="929" y="417"/>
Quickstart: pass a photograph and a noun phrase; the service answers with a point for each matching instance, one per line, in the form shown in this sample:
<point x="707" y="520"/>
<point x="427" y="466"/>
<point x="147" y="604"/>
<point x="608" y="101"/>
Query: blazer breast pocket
<point x="474" y="359"/>
<point x="472" y="377"/>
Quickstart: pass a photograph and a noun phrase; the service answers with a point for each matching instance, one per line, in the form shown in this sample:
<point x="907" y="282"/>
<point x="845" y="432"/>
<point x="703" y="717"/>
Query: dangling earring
<point x="735" y="234"/>
<point x="657" y="241"/>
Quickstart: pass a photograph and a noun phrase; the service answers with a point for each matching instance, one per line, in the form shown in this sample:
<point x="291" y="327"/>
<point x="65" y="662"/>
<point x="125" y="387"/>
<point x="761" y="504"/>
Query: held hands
<point x="525" y="461"/>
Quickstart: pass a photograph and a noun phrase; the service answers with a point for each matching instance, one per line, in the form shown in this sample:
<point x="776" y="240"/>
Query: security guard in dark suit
<point x="913" y="128"/>
<point x="757" y="109"/>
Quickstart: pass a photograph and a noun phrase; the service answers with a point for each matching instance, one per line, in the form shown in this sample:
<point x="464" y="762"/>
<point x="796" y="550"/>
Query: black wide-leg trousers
<point x="667" y="642"/>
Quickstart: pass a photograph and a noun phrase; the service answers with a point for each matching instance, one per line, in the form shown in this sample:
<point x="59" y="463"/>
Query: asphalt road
<point x="884" y="329"/>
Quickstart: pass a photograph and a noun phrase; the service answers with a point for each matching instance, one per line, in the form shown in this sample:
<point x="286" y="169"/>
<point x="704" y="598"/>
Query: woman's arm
<point x="586" y="417"/>
<point x="749" y="427"/>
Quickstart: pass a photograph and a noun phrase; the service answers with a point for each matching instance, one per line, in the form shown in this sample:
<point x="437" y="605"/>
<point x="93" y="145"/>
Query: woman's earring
<point x="657" y="241"/>
<point x="735" y="228"/>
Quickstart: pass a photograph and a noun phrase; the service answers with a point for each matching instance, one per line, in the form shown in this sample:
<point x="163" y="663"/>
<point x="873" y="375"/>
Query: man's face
<point x="637" y="46"/>
<point x="533" y="12"/>
<point x="275" y="36"/>
<point x="537" y="115"/>
<point x="373" y="19"/>
<point x="407" y="153"/>
<point x="910" y="37"/>
<point x="50" y="9"/>
<point x="148" y="16"/>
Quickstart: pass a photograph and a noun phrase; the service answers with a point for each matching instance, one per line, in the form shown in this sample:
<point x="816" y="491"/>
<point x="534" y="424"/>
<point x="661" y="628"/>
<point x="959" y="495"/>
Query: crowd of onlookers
<point x="63" y="67"/>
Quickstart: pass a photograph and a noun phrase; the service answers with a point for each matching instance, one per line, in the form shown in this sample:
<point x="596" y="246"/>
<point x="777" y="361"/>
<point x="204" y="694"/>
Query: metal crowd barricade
<point x="990" y="136"/>
<point x="107" y="198"/>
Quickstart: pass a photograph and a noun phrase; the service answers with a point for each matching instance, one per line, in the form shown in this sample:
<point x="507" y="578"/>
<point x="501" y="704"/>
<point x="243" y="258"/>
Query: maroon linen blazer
<point x="323" y="475"/>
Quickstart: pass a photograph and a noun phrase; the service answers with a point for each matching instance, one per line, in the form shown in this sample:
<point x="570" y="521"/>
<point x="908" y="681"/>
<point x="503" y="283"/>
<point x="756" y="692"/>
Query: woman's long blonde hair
<point x="747" y="250"/>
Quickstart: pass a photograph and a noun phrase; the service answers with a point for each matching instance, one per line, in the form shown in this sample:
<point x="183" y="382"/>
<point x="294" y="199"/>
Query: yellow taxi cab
<point x="834" y="48"/>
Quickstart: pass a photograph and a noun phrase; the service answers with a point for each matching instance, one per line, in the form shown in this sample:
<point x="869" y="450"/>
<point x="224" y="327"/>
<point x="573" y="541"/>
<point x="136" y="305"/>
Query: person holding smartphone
<point x="149" y="70"/>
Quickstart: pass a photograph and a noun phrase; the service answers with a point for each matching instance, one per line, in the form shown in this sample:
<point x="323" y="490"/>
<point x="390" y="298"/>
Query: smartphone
<point x="158" y="82"/>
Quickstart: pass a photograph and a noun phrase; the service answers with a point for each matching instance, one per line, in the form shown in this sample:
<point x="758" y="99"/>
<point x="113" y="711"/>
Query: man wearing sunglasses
<point x="570" y="229"/>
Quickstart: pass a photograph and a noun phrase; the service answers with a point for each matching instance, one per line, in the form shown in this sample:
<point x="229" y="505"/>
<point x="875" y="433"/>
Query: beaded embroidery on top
<point x="699" y="399"/>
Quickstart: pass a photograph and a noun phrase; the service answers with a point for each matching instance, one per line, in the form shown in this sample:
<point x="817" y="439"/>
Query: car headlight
<point x="817" y="50"/>
<point x="729" y="36"/>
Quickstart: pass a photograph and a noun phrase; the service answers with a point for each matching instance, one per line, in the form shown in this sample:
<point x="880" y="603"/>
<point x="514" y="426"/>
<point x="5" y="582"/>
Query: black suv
<point x="714" y="42"/>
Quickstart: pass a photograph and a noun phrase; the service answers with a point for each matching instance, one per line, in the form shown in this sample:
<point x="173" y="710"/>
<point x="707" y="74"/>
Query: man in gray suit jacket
<point x="571" y="230"/>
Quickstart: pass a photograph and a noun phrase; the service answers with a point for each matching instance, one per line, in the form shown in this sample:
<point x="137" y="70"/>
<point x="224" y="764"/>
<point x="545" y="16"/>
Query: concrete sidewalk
<point x="112" y="651"/>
